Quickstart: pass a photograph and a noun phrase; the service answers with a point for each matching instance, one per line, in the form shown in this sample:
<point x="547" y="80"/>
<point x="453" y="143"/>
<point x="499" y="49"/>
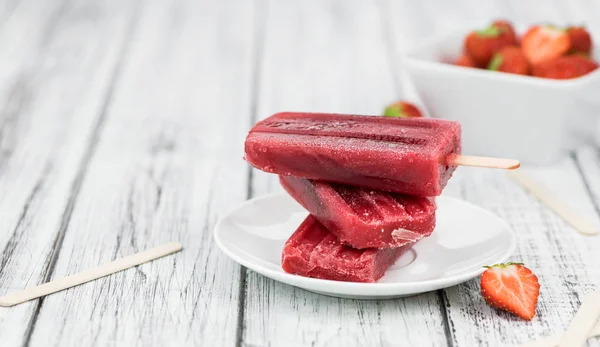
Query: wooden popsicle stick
<point x="553" y="341"/>
<point x="577" y="221"/>
<point x="493" y="163"/>
<point x="89" y="274"/>
<point x="584" y="321"/>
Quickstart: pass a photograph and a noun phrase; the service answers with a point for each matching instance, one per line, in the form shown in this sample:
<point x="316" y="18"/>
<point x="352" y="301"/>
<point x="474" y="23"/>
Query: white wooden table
<point x="122" y="125"/>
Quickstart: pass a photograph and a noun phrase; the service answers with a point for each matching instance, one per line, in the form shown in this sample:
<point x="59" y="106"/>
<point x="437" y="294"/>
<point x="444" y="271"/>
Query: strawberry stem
<point x="555" y="27"/>
<point x="490" y="31"/>
<point x="502" y="265"/>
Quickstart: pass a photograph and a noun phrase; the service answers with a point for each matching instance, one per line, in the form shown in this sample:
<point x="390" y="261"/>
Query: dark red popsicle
<point x="312" y="251"/>
<point x="404" y="155"/>
<point x="364" y="218"/>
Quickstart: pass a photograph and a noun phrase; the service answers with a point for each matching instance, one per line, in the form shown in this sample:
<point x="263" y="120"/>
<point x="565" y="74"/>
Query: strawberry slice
<point x="544" y="43"/>
<point x="511" y="287"/>
<point x="402" y="109"/>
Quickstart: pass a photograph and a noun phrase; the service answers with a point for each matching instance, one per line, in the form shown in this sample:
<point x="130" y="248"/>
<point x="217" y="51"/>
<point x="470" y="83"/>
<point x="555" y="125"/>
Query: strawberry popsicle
<point x="407" y="156"/>
<point x="312" y="251"/>
<point x="364" y="218"/>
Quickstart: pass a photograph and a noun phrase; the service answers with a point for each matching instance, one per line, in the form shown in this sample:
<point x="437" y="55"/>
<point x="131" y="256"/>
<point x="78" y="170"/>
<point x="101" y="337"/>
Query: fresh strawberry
<point x="571" y="66"/>
<point x="545" y="43"/>
<point x="482" y="44"/>
<point x="581" y="40"/>
<point x="510" y="59"/>
<point x="507" y="27"/>
<point x="402" y="109"/>
<point x="511" y="287"/>
<point x="465" y="60"/>
<point x="582" y="54"/>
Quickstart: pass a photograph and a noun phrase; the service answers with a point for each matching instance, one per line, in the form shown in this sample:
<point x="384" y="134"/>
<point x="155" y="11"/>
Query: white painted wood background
<point x="122" y="127"/>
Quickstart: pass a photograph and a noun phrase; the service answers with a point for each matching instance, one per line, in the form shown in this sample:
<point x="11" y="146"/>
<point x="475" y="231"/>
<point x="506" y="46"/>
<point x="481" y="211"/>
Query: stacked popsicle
<point x="367" y="183"/>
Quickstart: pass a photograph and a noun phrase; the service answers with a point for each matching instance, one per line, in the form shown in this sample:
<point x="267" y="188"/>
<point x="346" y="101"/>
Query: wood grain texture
<point x="122" y="126"/>
<point x="588" y="162"/>
<point x="330" y="57"/>
<point x="168" y="163"/>
<point x="563" y="259"/>
<point x="55" y="60"/>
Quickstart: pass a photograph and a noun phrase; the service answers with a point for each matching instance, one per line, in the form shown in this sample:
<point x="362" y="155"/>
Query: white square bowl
<point x="535" y="120"/>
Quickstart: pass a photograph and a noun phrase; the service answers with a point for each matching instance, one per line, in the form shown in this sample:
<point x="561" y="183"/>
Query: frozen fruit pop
<point x="364" y="218"/>
<point x="312" y="251"/>
<point x="394" y="154"/>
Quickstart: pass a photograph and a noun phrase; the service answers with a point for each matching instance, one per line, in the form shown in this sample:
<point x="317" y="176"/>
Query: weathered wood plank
<point x="565" y="261"/>
<point x="168" y="163"/>
<point x="55" y="63"/>
<point x="588" y="162"/>
<point x="331" y="57"/>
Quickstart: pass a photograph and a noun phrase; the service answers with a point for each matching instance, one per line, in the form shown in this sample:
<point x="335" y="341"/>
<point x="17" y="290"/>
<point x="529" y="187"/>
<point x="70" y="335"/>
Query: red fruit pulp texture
<point x="465" y="60"/>
<point x="410" y="110"/>
<point x="542" y="44"/>
<point x="364" y="218"/>
<point x="511" y="60"/>
<point x="481" y="45"/>
<point x="403" y="155"/>
<point x="402" y="109"/>
<point x="581" y="40"/>
<point x="572" y="66"/>
<point x="511" y="287"/>
<point x="312" y="251"/>
<point x="506" y="27"/>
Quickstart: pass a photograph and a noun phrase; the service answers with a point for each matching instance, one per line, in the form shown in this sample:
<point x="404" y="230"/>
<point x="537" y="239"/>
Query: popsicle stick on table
<point x="584" y="321"/>
<point x="89" y="274"/>
<point x="553" y="341"/>
<point x="578" y="222"/>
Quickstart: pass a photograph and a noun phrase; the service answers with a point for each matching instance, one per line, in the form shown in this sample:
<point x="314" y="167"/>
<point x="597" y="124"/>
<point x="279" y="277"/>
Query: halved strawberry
<point x="581" y="40"/>
<point x="511" y="287"/>
<point x="581" y="54"/>
<point x="545" y="43"/>
<point x="402" y="109"/>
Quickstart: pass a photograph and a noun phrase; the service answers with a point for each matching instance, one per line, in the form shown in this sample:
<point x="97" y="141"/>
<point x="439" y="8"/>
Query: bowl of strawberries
<point x="528" y="92"/>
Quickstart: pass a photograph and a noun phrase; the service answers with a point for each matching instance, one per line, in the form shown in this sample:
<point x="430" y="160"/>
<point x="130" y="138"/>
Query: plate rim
<point x="359" y="288"/>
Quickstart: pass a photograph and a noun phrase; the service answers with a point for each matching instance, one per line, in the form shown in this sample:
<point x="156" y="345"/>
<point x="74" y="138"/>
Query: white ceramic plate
<point x="466" y="238"/>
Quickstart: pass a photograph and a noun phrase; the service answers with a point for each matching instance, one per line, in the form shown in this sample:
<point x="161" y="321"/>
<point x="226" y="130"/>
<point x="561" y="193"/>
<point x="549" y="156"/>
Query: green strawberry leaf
<point x="502" y="265"/>
<point x="393" y="111"/>
<point x="495" y="63"/>
<point x="555" y="27"/>
<point x="490" y="31"/>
